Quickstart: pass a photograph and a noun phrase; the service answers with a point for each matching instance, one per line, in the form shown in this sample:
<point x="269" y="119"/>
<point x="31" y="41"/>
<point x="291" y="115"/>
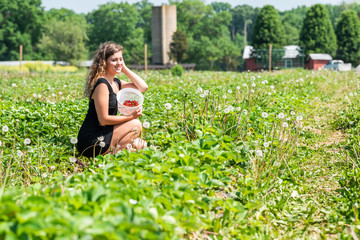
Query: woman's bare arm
<point x="136" y="81"/>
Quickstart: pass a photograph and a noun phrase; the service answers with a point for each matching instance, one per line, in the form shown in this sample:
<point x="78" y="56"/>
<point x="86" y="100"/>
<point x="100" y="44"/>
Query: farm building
<point x="317" y="60"/>
<point x="289" y="57"/>
<point x="249" y="60"/>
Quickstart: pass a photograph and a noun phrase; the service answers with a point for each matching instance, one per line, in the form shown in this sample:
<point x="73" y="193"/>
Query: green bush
<point x="42" y="67"/>
<point x="12" y="69"/>
<point x="177" y="70"/>
<point x="58" y="68"/>
<point x="38" y="67"/>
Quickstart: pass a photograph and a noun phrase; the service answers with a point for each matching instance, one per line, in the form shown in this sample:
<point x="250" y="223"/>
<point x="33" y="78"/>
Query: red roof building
<point x="317" y="61"/>
<point x="250" y="61"/>
<point x="290" y="56"/>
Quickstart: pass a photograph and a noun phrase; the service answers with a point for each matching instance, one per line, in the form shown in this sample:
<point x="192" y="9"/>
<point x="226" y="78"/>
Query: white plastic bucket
<point x="129" y="94"/>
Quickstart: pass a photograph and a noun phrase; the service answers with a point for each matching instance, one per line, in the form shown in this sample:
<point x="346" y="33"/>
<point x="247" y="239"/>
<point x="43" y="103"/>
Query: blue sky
<point x="85" y="6"/>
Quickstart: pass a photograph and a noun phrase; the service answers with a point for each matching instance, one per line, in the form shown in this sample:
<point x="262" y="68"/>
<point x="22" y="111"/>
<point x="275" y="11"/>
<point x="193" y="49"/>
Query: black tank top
<point x="112" y="99"/>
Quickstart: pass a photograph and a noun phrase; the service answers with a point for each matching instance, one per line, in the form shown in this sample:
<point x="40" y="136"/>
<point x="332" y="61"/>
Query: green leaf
<point x="215" y="182"/>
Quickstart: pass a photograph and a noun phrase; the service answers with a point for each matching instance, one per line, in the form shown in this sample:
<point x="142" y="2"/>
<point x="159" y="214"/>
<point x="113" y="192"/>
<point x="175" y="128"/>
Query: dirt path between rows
<point x="323" y="163"/>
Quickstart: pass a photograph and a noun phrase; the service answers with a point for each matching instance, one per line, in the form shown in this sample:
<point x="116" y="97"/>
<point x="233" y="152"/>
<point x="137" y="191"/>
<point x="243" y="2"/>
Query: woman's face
<point x="115" y="63"/>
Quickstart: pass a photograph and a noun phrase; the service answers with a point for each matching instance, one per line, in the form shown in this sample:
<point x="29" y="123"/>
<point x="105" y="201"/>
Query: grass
<point x="205" y="177"/>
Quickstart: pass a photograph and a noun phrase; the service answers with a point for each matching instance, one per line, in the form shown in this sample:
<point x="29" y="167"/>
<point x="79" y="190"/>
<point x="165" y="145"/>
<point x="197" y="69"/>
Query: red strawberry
<point x="129" y="103"/>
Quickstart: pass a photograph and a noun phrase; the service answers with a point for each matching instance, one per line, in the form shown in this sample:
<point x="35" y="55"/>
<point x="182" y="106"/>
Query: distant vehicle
<point x="338" y="65"/>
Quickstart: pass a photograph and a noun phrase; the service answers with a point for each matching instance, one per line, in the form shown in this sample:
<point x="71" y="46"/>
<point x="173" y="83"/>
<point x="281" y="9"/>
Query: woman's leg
<point x="126" y="133"/>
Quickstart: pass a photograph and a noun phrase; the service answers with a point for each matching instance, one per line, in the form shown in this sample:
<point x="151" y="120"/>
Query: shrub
<point x="177" y="70"/>
<point x="59" y="68"/>
<point x="38" y="67"/>
<point x="12" y="69"/>
<point x="43" y="67"/>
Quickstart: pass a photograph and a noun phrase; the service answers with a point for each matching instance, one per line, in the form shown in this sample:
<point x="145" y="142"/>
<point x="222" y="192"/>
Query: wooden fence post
<point x="145" y="56"/>
<point x="270" y="47"/>
<point x="21" y="53"/>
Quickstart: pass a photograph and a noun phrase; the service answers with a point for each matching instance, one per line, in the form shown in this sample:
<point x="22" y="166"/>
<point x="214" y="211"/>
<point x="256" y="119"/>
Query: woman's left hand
<point x="123" y="66"/>
<point x="137" y="113"/>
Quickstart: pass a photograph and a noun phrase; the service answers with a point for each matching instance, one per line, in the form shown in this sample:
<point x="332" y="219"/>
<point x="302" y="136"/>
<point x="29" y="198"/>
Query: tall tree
<point x="117" y="22"/>
<point x="67" y="15"/>
<point x="3" y="47"/>
<point x="178" y="46"/>
<point x="64" y="36"/>
<point x="243" y="19"/>
<point x="208" y="38"/>
<point x="63" y="41"/>
<point x="144" y="7"/>
<point x="348" y="37"/>
<point x="21" y="23"/>
<point x="204" y="52"/>
<point x="268" y="29"/>
<point x="213" y="25"/>
<point x="317" y="34"/>
<point x="292" y="34"/>
<point x="292" y="21"/>
<point x="230" y="54"/>
<point x="189" y="14"/>
<point x="221" y="6"/>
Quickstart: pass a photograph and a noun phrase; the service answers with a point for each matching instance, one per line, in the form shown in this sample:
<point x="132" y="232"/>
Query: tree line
<point x="211" y="35"/>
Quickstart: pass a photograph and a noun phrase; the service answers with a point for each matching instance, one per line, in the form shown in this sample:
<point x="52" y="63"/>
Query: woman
<point x="104" y="131"/>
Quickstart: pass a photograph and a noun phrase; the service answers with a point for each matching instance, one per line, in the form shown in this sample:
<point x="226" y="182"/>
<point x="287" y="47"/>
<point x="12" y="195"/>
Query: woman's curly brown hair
<point x="98" y="67"/>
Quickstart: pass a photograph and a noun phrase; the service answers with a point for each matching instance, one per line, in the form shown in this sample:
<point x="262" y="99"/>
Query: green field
<point x="238" y="156"/>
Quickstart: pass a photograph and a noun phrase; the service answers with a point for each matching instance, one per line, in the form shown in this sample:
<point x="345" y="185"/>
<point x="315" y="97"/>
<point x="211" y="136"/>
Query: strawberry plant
<point x="230" y="156"/>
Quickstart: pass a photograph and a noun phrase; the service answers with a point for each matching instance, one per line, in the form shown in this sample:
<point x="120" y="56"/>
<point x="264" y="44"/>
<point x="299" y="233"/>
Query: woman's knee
<point x="126" y="132"/>
<point x="133" y="125"/>
<point x="136" y="125"/>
